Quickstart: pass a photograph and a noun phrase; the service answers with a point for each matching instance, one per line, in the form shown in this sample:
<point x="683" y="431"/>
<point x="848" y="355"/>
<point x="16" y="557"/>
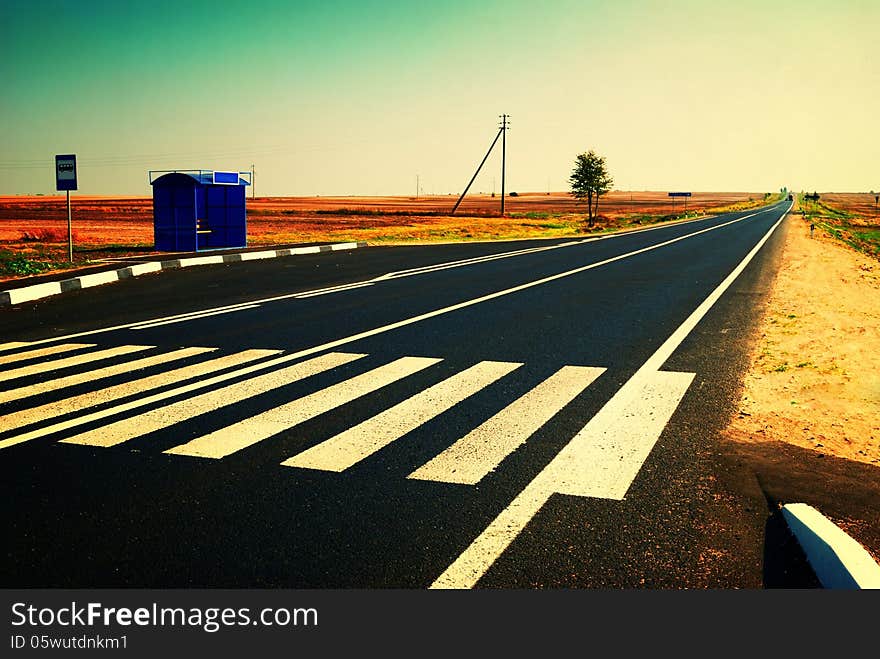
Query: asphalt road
<point x="490" y="415"/>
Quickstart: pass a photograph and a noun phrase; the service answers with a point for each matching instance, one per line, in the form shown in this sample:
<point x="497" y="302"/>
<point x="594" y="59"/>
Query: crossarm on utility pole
<point x="454" y="208"/>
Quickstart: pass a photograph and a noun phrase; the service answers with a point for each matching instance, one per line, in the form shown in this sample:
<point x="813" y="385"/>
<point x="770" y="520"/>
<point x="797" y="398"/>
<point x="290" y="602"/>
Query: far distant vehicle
<point x="790" y="197"/>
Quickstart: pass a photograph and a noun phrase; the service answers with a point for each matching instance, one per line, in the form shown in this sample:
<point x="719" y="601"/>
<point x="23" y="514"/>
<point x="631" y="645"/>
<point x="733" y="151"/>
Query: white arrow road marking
<point x="355" y="444"/>
<point x="565" y="473"/>
<point x="245" y="433"/>
<point x="601" y="461"/>
<point x="479" y="452"/>
<point x="67" y="362"/>
<point x="162" y="417"/>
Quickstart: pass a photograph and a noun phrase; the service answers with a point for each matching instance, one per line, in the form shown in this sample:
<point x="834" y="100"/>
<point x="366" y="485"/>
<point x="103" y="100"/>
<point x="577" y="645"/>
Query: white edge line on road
<point x="414" y="319"/>
<point x="467" y="569"/>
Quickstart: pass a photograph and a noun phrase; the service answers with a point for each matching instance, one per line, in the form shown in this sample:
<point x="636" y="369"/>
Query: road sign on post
<point x="680" y="194"/>
<point x="65" y="172"/>
<point x="65" y="179"/>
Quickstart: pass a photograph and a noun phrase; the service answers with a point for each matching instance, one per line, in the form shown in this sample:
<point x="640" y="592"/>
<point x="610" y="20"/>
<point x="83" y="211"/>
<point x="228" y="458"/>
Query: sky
<point x="370" y="97"/>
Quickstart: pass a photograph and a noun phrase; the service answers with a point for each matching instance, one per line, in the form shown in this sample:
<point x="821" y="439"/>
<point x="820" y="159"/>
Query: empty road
<point x="538" y="414"/>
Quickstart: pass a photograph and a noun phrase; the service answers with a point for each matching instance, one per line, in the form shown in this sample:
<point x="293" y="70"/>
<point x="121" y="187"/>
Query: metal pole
<point x="69" y="232"/>
<point x="454" y="208"/>
<point x="253" y="187"/>
<point x="503" y="156"/>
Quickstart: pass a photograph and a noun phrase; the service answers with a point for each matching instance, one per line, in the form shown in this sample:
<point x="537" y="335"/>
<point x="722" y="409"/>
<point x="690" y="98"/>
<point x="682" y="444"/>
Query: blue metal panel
<point x="226" y="178"/>
<point x="192" y="213"/>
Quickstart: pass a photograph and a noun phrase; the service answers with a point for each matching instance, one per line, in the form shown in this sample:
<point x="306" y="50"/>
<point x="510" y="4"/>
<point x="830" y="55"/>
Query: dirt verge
<point x="814" y="381"/>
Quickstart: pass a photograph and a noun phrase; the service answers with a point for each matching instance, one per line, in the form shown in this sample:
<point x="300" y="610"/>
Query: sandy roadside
<point x="814" y="379"/>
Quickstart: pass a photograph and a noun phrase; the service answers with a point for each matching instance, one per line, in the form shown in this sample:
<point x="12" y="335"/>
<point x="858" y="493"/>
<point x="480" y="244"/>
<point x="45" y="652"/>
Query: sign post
<point x="65" y="179"/>
<point x="680" y="194"/>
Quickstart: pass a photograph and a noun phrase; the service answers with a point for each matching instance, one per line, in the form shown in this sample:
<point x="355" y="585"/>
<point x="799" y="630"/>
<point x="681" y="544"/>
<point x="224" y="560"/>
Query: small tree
<point x="589" y="181"/>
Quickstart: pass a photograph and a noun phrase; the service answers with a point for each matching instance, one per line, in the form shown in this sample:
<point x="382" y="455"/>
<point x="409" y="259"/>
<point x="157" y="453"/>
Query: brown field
<point x="853" y="218"/>
<point x="861" y="204"/>
<point x="35" y="227"/>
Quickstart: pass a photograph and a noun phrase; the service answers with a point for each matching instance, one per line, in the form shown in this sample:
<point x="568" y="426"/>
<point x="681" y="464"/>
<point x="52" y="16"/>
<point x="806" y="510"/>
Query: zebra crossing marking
<point x="162" y="417"/>
<point x="248" y="432"/>
<point x="44" y="352"/>
<point x="13" y="345"/>
<point x="359" y="442"/>
<point x="602" y="460"/>
<point x="32" y="415"/>
<point x="479" y="452"/>
<point x="98" y="374"/>
<point x="67" y="362"/>
<point x="467" y="569"/>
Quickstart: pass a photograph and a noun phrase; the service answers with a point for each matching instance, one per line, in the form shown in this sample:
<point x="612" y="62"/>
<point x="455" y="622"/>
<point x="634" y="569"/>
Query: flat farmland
<point x="852" y="217"/>
<point x="33" y="229"/>
<point x="129" y="220"/>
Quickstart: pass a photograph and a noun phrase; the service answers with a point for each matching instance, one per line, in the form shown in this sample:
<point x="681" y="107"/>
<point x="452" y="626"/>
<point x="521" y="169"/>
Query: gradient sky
<point x="362" y="97"/>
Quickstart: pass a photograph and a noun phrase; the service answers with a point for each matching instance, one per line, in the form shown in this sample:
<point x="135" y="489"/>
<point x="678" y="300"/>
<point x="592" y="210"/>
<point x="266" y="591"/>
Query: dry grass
<point x="35" y="228"/>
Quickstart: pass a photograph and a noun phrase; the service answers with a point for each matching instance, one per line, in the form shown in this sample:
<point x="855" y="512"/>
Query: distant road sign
<point x="65" y="172"/>
<point x="679" y="194"/>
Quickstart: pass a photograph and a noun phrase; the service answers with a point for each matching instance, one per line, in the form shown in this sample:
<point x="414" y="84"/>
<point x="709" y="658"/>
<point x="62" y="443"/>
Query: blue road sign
<point x="65" y="172"/>
<point x="679" y="194"/>
<point x="226" y="178"/>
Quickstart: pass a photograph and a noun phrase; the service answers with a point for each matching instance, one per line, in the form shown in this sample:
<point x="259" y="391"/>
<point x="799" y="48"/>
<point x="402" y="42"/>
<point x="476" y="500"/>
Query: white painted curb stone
<point x="836" y="558"/>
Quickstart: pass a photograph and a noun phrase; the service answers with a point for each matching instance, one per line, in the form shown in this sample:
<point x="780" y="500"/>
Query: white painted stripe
<point x="76" y="403"/>
<point x="472" y="563"/>
<point x="355" y="444"/>
<point x="67" y="362"/>
<point x="144" y="268"/>
<point x="38" y="291"/>
<point x="162" y="417"/>
<point x="472" y="261"/>
<point x="335" y="289"/>
<point x="98" y="278"/>
<point x="194" y="317"/>
<point x="44" y="352"/>
<point x="188" y="314"/>
<point x="467" y="569"/>
<point x="91" y="376"/>
<point x="836" y="558"/>
<point x="13" y="345"/>
<point x="34" y="292"/>
<point x="603" y="459"/>
<point x="256" y="256"/>
<point x="423" y="316"/>
<point x="200" y="260"/>
<point x="262" y="426"/>
<point x="479" y="452"/>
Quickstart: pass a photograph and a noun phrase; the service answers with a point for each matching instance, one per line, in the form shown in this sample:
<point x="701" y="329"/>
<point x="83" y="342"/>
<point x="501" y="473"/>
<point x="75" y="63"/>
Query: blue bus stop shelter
<point x="198" y="209"/>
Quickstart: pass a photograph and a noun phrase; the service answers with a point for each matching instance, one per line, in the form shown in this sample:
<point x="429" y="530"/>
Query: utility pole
<point x="504" y="125"/>
<point x="479" y="167"/>
<point x="253" y="187"/>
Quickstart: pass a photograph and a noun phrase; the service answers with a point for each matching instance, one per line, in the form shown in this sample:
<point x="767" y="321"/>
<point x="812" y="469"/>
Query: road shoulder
<point x="808" y="420"/>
